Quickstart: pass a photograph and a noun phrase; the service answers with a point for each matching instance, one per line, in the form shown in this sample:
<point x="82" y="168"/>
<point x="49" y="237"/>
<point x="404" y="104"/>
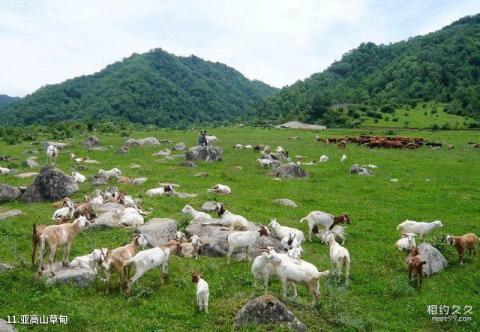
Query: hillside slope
<point x="152" y="88"/>
<point x="443" y="66"/>
<point x="7" y="100"/>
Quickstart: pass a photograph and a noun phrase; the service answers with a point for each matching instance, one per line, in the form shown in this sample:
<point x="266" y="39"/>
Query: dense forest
<point x="443" y="66"/>
<point x="152" y="88"/>
<point x="7" y="100"/>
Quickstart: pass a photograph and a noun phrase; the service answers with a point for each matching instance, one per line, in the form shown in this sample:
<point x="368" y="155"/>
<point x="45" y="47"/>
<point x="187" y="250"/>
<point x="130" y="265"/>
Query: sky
<point x="276" y="41"/>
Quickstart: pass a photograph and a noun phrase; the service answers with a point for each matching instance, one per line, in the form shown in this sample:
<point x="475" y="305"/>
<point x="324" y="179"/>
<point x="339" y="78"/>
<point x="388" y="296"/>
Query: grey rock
<point x="267" y="309"/>
<point x="9" y="214"/>
<point x="5" y="268"/>
<point x="139" y="181"/>
<point x="299" y="125"/>
<point x="158" y="230"/>
<point x="141" y="142"/>
<point x="209" y="206"/>
<point x="179" y="147"/>
<point x="5" y="327"/>
<point x="436" y="262"/>
<point x="31" y="163"/>
<point x="214" y="238"/>
<point x="184" y="195"/>
<point x="26" y="174"/>
<point x="201" y="175"/>
<point x="9" y="193"/>
<point x="58" y="145"/>
<point x="49" y="186"/>
<point x="357" y="169"/>
<point x="290" y="170"/>
<point x="99" y="179"/>
<point x="205" y="153"/>
<point x="162" y="153"/>
<point x="285" y="202"/>
<point x="90" y="142"/>
<point x="77" y="276"/>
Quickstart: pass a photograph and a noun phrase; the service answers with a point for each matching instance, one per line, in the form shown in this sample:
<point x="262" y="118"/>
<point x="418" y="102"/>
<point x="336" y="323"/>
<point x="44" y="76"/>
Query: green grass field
<point x="424" y="115"/>
<point x="431" y="185"/>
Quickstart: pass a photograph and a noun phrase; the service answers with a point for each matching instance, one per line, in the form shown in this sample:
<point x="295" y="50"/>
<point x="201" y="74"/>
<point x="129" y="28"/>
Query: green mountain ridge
<point x="7" y="100"/>
<point x="152" y="88"/>
<point x="442" y="66"/>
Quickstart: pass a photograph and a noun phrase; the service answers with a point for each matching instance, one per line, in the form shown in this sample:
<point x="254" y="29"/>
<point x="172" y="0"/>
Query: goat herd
<point x="286" y="265"/>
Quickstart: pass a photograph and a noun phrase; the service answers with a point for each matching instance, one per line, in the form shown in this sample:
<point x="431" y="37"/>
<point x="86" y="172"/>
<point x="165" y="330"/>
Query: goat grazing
<point x="79" y="178"/>
<point x="261" y="269"/>
<point x="202" y="292"/>
<point x="245" y="239"/>
<point x="327" y="220"/>
<point x="419" y="228"/>
<point x="52" y="154"/>
<point x="59" y="235"/>
<point x="337" y="230"/>
<point x="465" y="242"/>
<point x="117" y="258"/>
<point x="289" y="270"/>
<point x="148" y="259"/>
<point x="339" y="256"/>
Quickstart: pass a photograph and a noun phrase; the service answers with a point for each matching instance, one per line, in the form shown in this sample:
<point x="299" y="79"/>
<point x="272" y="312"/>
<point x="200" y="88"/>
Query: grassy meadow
<point x="424" y="115"/>
<point x="432" y="185"/>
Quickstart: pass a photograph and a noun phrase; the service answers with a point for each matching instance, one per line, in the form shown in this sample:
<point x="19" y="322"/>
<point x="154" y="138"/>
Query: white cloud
<point x="45" y="42"/>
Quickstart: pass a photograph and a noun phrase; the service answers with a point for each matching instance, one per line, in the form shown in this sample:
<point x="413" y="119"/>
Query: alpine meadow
<point x="167" y="192"/>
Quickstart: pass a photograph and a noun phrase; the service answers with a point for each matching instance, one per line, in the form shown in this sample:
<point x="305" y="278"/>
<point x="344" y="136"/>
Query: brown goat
<point x="465" y="242"/>
<point x="415" y="266"/>
<point x="337" y="220"/>
<point x="37" y="231"/>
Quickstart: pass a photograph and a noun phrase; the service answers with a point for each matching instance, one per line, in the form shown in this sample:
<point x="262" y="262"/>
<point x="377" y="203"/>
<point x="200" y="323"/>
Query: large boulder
<point x="179" y="147"/>
<point x="267" y="309"/>
<point x="158" y="230"/>
<point x="290" y="170"/>
<point x="99" y="179"/>
<point x="5" y="327"/>
<point x="205" y="153"/>
<point x="90" y="142"/>
<point x="141" y="142"/>
<point x="360" y="170"/>
<point x="436" y="262"/>
<point x="49" y="186"/>
<point x="209" y="206"/>
<point x="214" y="238"/>
<point x="9" y="193"/>
<point x="77" y="276"/>
<point x="299" y="125"/>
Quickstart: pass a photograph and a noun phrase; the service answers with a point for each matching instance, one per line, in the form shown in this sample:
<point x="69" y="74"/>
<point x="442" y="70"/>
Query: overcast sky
<point x="278" y="42"/>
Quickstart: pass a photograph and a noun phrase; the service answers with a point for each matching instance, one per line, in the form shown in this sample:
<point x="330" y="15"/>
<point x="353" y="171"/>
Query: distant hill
<point x="152" y="88"/>
<point x="372" y="81"/>
<point x="6" y="100"/>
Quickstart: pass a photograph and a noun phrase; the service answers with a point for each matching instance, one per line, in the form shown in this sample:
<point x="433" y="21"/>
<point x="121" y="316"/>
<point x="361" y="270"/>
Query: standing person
<point x="200" y="138"/>
<point x="204" y="138"/>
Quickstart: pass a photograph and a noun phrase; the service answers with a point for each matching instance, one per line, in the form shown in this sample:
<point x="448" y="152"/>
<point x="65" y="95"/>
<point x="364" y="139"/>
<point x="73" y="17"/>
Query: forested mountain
<point x="152" y="88"/>
<point x="443" y="66"/>
<point x="6" y="100"/>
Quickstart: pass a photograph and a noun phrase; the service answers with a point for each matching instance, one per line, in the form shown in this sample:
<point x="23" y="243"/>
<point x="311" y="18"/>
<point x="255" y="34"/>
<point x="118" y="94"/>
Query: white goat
<point x="317" y="218"/>
<point x="290" y="270"/>
<point x="407" y="242"/>
<point x="4" y="170"/>
<point x="66" y="211"/>
<point x="265" y="162"/>
<point x="113" y="173"/>
<point x="160" y="191"/>
<point x="211" y="139"/>
<point x="202" y="292"/>
<point x="192" y="247"/>
<point x="323" y="158"/>
<point x="79" y="178"/>
<point x="283" y="231"/>
<point x="344" y="157"/>
<point x="92" y="260"/>
<point x="227" y="218"/>
<point x="220" y="189"/>
<point x="52" y="154"/>
<point x="261" y="269"/>
<point x="245" y="239"/>
<point x="128" y="217"/>
<point x="337" y="230"/>
<point x="419" y="228"/>
<point x="196" y="215"/>
<point x="339" y="256"/>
